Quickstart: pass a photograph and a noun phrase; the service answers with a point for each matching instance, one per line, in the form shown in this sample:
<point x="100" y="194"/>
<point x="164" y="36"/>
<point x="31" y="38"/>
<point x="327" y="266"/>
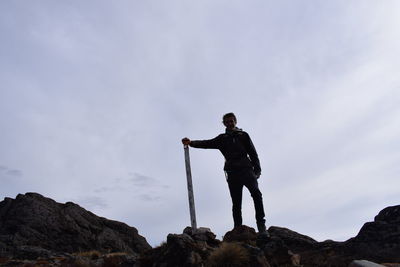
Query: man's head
<point x="229" y="120"/>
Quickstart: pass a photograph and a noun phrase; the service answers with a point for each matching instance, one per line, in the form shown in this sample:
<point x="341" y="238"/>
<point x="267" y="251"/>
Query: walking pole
<point x="190" y="189"/>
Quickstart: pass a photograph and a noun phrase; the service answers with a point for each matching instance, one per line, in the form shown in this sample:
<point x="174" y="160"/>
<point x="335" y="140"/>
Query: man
<point x="242" y="167"/>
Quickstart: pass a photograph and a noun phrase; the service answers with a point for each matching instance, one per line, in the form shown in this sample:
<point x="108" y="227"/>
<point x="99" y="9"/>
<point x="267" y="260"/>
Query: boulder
<point x="241" y="233"/>
<point x="293" y="240"/>
<point x="378" y="241"/>
<point x="179" y="250"/>
<point x="202" y="234"/>
<point x="41" y="224"/>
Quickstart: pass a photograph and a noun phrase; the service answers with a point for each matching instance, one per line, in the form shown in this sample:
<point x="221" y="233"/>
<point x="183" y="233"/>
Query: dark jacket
<point x="237" y="148"/>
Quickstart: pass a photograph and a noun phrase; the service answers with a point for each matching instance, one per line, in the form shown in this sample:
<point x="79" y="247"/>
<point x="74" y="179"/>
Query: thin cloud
<point x="92" y="202"/>
<point x="141" y="180"/>
<point x="10" y="173"/>
<point x="15" y="173"/>
<point x="149" y="197"/>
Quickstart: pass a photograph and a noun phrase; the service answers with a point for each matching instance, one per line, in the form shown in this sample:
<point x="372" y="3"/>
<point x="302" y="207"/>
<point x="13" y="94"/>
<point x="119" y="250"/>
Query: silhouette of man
<point x="242" y="167"/>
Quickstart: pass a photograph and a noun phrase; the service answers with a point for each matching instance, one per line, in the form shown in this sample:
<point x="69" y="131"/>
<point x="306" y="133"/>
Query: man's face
<point x="230" y="123"/>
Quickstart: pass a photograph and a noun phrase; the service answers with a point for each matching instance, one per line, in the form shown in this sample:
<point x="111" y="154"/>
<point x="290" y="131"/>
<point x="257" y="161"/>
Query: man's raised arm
<point x="211" y="143"/>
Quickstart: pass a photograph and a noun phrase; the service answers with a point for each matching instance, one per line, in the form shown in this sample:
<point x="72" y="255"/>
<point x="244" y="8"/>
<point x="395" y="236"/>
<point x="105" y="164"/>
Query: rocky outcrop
<point x="200" y="248"/>
<point x="191" y="248"/>
<point x="35" y="230"/>
<point x="32" y="225"/>
<point x="377" y="242"/>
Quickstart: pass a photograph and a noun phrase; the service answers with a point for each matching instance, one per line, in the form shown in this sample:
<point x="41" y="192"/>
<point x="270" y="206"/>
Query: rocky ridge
<point x="32" y="225"/>
<point x="35" y="230"/>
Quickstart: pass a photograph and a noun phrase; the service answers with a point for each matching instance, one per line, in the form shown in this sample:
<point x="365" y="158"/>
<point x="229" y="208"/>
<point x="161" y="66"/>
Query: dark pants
<point x="236" y="181"/>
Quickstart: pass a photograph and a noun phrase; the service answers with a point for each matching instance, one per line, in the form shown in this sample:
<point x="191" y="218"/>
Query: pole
<point x="190" y="189"/>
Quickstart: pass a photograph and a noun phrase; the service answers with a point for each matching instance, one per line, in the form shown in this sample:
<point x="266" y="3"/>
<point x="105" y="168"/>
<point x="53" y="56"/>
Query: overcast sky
<point x="95" y="97"/>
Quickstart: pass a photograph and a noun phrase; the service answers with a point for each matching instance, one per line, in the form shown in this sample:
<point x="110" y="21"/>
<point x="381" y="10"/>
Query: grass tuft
<point x="229" y="255"/>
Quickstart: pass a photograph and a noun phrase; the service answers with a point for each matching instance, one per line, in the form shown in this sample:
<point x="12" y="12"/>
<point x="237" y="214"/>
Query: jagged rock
<point x="179" y="250"/>
<point x="293" y="240"/>
<point x="379" y="241"/>
<point x="32" y="253"/>
<point x="32" y="220"/>
<point x="202" y="249"/>
<point x="389" y="215"/>
<point x="241" y="233"/>
<point x="202" y="234"/>
<point x="37" y="231"/>
<point x="277" y="253"/>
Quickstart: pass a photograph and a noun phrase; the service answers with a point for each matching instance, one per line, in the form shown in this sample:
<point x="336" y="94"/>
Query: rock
<point x="378" y="241"/>
<point x="293" y="240"/>
<point x="179" y="250"/>
<point x="200" y="248"/>
<point x="263" y="239"/>
<point x="277" y="253"/>
<point x="37" y="231"/>
<point x="32" y="253"/>
<point x="364" y="263"/>
<point x="41" y="224"/>
<point x="389" y="215"/>
<point x="241" y="233"/>
<point x="202" y="234"/>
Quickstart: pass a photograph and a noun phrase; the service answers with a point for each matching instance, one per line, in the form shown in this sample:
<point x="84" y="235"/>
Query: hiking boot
<point x="261" y="227"/>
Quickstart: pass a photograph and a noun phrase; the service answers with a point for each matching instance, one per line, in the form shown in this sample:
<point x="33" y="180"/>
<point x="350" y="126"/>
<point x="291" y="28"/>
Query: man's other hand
<point x="186" y="141"/>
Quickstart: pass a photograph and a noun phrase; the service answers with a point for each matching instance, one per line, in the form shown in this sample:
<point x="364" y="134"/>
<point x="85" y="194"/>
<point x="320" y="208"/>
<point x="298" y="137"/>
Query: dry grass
<point x="80" y="263"/>
<point x="93" y="254"/>
<point x="229" y="255"/>
<point x="113" y="259"/>
<point x="116" y="254"/>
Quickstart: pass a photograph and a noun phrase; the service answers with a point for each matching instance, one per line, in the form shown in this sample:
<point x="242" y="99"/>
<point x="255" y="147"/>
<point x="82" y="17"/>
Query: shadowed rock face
<point x="379" y="240"/>
<point x="36" y="221"/>
<point x="32" y="226"/>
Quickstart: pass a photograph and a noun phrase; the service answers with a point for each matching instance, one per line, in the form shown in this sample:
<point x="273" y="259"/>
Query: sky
<point x="95" y="97"/>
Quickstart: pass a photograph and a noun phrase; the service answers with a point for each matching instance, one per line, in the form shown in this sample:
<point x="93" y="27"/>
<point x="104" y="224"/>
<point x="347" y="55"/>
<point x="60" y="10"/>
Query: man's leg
<point x="252" y="186"/>
<point x="236" y="189"/>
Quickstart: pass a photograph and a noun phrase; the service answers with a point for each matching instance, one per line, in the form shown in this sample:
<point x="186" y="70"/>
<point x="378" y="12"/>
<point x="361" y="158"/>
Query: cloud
<point x="15" y="173"/>
<point x="92" y="202"/>
<point x="10" y="173"/>
<point x="104" y="189"/>
<point x="142" y="180"/>
<point x="149" y="197"/>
